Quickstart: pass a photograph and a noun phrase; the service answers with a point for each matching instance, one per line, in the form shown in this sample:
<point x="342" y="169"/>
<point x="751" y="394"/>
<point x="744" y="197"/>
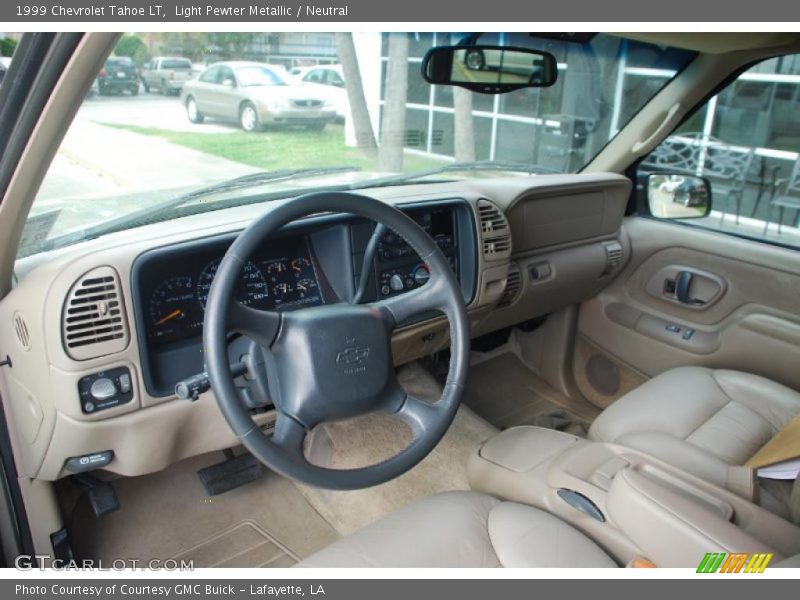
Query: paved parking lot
<point x="145" y="110"/>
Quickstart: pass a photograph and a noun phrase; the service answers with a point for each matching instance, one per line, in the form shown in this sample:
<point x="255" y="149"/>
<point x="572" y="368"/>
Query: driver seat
<point x="464" y="529"/>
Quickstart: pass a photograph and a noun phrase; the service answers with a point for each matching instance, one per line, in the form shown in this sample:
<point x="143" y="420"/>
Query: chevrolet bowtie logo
<point x="355" y="355"/>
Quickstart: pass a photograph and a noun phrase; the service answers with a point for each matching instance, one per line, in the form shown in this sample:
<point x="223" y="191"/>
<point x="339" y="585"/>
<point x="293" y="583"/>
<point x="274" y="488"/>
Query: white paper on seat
<point x="788" y="469"/>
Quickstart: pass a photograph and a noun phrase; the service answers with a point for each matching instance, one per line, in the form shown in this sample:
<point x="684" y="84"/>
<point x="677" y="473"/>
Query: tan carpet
<point x="505" y="392"/>
<point x="368" y="440"/>
<point x="167" y="514"/>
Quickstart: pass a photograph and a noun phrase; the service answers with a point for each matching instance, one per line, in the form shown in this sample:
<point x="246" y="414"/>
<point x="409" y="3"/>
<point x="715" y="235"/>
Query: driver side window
<point x="744" y="145"/>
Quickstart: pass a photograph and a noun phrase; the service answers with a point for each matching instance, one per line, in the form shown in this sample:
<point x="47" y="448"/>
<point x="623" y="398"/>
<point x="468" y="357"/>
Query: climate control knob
<point x="396" y="282"/>
<point x="421" y="275"/>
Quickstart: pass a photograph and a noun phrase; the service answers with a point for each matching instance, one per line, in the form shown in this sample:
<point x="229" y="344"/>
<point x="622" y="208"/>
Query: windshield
<point x="152" y="149"/>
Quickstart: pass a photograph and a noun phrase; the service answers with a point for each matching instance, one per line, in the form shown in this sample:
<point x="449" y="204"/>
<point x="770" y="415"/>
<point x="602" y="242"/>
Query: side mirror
<point x="229" y="83"/>
<point x="489" y="69"/>
<point x="678" y="196"/>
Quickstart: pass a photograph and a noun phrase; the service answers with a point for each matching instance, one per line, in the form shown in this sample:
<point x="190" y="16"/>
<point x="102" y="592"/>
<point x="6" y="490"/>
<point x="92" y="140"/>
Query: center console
<point x="630" y="503"/>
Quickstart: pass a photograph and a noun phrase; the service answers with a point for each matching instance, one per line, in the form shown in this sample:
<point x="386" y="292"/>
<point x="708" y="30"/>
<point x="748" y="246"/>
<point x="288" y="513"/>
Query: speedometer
<point x="172" y="307"/>
<point x="251" y="288"/>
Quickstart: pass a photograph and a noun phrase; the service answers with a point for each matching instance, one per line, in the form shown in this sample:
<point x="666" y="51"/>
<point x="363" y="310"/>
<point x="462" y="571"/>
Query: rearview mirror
<point x="489" y="69"/>
<point x="678" y="196"/>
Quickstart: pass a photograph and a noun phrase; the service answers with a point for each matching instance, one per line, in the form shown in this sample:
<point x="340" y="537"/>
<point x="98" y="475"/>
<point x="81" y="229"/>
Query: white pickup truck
<point x="166" y="74"/>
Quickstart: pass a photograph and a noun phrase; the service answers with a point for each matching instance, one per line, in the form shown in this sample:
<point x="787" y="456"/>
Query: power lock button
<point x="88" y="462"/>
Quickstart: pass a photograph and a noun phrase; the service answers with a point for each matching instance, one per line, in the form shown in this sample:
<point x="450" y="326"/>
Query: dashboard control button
<point x="124" y="383"/>
<point x="103" y="389"/>
<point x="396" y="283"/>
<point x="386" y="290"/>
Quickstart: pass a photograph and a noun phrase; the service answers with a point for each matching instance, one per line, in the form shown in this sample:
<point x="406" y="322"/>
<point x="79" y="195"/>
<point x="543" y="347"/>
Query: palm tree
<point x="463" y="125"/>
<point x="393" y="123"/>
<point x="365" y="137"/>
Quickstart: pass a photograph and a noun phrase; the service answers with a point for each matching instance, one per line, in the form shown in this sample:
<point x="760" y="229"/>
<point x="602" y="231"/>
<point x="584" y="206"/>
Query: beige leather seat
<point x="464" y="529"/>
<point x="701" y="420"/>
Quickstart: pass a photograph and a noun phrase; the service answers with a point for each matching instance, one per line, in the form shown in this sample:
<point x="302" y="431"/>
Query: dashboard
<point x="318" y="261"/>
<point x="100" y="332"/>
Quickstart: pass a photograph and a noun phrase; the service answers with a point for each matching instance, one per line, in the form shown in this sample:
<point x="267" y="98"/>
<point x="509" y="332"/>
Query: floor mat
<point x="168" y="514"/>
<point x="506" y="393"/>
<point x="243" y="545"/>
<point x="370" y="439"/>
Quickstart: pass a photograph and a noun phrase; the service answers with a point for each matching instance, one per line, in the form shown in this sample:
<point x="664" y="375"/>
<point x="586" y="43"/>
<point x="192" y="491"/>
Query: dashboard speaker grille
<point x="513" y="286"/>
<point x="94" y="322"/>
<point x="21" y="329"/>
<point x="495" y="231"/>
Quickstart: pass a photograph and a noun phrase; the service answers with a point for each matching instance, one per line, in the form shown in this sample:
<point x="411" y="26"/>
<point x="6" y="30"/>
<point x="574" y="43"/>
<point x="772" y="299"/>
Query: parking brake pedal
<point x="233" y="472"/>
<point x="101" y="494"/>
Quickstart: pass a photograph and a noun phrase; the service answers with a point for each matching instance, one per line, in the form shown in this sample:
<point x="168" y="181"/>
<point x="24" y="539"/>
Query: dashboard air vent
<point x="495" y="231"/>
<point x="513" y="286"/>
<point x="614" y="256"/>
<point x="94" y="323"/>
<point x="21" y="329"/>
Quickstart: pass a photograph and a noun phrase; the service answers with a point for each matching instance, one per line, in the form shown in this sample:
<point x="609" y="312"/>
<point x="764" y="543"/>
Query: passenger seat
<point x="704" y="421"/>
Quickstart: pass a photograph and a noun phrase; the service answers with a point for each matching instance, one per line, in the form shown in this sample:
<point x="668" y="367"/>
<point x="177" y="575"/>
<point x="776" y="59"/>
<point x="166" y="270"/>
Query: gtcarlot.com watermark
<point x="45" y="562"/>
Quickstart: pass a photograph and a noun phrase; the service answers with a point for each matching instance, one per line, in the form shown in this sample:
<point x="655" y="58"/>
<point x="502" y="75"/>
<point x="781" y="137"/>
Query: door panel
<point x="745" y="314"/>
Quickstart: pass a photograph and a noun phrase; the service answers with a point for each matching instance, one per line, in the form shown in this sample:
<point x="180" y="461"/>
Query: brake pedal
<point x="101" y="494"/>
<point x="233" y="472"/>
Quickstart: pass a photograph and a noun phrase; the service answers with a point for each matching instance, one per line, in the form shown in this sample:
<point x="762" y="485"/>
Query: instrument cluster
<point x="279" y="277"/>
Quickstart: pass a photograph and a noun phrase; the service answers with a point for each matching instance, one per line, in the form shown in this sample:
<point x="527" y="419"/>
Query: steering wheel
<point x="333" y="361"/>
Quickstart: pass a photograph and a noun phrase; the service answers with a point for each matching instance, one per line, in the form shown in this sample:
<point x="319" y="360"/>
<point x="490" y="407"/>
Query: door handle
<point x="683" y="282"/>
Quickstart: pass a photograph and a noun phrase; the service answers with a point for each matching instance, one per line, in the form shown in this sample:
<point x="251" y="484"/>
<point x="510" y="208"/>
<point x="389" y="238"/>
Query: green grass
<point x="278" y="149"/>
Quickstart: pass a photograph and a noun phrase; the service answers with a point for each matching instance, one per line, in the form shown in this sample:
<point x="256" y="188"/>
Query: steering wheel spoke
<point x="259" y="325"/>
<point x="289" y="436"/>
<point x="398" y="310"/>
<point x="420" y="416"/>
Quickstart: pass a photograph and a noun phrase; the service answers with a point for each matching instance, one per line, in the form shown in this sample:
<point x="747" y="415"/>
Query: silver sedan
<point x="254" y="95"/>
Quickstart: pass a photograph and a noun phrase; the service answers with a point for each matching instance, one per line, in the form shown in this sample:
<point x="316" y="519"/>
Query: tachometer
<point x="251" y="289"/>
<point x="171" y="305"/>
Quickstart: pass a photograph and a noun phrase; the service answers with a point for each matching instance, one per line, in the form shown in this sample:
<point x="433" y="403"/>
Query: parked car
<point x="254" y="94"/>
<point x="331" y="84"/>
<point x="691" y="193"/>
<point x="118" y="75"/>
<point x="323" y="74"/>
<point x="166" y="74"/>
<point x="3" y="68"/>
